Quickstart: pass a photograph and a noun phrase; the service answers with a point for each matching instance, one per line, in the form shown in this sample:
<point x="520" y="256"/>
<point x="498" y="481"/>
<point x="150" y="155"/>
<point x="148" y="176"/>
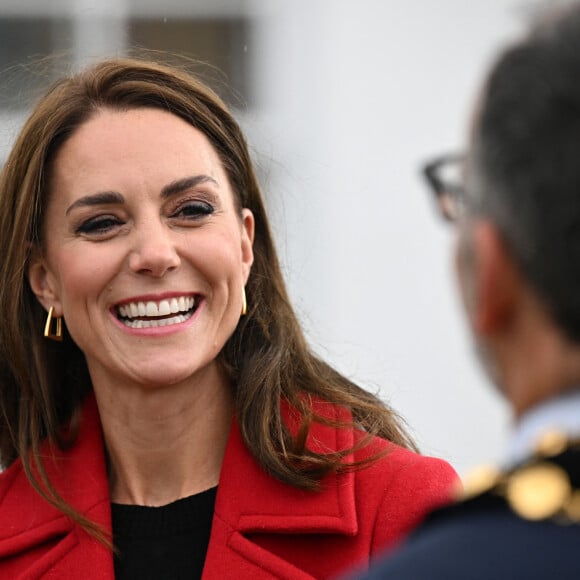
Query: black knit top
<point x="168" y="542"/>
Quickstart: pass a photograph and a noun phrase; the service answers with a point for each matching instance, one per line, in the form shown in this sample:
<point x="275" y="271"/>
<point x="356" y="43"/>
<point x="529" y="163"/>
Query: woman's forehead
<point x="148" y="143"/>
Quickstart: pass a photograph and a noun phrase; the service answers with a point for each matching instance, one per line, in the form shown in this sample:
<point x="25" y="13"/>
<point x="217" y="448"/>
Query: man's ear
<point x="492" y="286"/>
<point x="42" y="282"/>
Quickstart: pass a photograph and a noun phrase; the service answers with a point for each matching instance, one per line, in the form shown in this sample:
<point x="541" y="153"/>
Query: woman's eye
<point x="194" y="210"/>
<point x="98" y="225"/>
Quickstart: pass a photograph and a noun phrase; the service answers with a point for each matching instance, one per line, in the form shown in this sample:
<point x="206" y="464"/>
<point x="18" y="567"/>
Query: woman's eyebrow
<point x="100" y="198"/>
<point x="115" y="198"/>
<point x="186" y="183"/>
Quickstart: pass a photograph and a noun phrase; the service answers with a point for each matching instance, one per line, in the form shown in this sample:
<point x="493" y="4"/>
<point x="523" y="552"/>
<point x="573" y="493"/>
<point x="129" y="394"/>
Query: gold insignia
<point x="536" y="491"/>
<point x="551" y="443"/>
<point x="572" y="507"/>
<point x="479" y="480"/>
<point x="539" y="491"/>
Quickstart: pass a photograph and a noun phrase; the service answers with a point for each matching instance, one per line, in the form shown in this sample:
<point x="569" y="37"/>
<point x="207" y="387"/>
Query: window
<point x="218" y="42"/>
<point x="32" y="52"/>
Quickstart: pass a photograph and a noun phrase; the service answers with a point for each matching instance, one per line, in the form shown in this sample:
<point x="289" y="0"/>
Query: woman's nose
<point x="154" y="253"/>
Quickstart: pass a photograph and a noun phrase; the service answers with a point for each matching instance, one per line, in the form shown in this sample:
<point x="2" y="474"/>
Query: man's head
<point x="524" y="164"/>
<point x="519" y="243"/>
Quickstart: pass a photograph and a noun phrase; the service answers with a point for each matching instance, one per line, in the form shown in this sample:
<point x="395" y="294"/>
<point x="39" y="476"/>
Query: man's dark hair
<point x="525" y="162"/>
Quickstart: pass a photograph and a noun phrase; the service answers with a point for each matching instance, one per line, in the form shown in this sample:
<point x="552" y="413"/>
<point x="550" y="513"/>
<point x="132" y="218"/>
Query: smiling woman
<point x="177" y="428"/>
<point x="150" y="234"/>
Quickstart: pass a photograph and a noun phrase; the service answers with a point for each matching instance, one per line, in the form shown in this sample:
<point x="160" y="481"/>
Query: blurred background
<point x="342" y="101"/>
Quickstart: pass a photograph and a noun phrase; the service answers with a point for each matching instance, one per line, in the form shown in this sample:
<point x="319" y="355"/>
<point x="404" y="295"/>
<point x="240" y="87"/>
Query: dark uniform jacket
<point x="526" y="525"/>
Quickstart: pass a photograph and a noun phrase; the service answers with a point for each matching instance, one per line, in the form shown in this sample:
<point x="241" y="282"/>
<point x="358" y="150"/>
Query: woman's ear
<point x="42" y="282"/>
<point x="248" y="225"/>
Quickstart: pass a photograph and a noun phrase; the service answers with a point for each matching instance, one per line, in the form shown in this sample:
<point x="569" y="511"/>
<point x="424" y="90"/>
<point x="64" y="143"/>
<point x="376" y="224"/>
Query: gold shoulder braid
<point x="545" y="487"/>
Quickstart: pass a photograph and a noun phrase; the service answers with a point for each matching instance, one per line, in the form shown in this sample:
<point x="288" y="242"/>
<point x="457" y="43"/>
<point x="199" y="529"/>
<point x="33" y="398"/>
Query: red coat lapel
<point x="251" y="505"/>
<point x="252" y="501"/>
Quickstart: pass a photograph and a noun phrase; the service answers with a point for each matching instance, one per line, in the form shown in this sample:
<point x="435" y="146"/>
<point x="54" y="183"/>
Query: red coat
<point x="261" y="528"/>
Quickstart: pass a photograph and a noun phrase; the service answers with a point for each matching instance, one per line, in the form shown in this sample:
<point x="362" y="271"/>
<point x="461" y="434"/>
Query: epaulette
<point x="545" y="487"/>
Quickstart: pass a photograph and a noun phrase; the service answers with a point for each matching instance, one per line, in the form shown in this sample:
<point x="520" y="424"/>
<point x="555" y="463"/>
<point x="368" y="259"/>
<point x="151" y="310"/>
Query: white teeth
<point x="157" y="323"/>
<point x="152" y="309"/>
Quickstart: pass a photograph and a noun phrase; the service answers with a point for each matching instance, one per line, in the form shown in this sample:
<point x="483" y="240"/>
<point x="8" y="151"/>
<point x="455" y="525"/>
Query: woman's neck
<point x="165" y="443"/>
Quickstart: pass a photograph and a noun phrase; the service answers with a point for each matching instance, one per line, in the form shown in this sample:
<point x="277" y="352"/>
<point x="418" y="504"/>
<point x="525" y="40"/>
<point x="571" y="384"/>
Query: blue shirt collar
<point x="561" y="413"/>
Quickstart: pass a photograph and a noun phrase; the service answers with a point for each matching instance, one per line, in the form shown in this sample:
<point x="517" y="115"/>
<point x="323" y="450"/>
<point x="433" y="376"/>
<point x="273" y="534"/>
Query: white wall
<point x="354" y="95"/>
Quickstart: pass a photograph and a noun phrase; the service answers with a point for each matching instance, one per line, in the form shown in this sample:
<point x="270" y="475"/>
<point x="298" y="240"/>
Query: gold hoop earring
<point x="244" y="302"/>
<point x="57" y="334"/>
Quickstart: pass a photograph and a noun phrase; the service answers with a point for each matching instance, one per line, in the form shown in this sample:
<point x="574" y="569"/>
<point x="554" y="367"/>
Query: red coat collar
<point x="248" y="502"/>
<point x="252" y="501"/>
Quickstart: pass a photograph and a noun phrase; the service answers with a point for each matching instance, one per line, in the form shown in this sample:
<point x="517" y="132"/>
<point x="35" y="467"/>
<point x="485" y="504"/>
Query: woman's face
<point x="145" y="254"/>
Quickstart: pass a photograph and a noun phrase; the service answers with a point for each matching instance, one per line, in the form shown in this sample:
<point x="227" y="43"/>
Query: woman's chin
<point x="160" y="377"/>
<point x="159" y="374"/>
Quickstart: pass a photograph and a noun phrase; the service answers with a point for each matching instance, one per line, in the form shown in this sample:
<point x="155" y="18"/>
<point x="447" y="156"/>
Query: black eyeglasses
<point x="445" y="178"/>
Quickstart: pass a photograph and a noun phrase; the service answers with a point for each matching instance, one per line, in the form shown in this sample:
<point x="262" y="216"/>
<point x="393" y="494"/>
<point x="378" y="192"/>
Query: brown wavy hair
<point x="42" y="384"/>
